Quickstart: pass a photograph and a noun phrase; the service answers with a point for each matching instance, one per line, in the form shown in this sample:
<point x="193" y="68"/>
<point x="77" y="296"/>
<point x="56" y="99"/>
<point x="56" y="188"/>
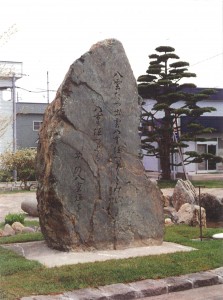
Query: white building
<point x="6" y="120"/>
<point x="10" y="71"/>
<point x="214" y="143"/>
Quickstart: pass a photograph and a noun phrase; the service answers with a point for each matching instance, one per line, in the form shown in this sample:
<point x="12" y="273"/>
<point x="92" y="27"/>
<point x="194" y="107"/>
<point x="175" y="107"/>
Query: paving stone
<point x="219" y="273"/>
<point x="176" y="284"/>
<point x="85" y="294"/>
<point x="150" y="287"/>
<point x="44" y="297"/>
<point x="119" y="291"/>
<point x="203" y="279"/>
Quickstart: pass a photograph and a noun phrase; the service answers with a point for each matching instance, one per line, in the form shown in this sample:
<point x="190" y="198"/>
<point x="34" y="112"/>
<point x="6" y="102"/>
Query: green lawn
<point x="207" y="183"/>
<point x="20" y="277"/>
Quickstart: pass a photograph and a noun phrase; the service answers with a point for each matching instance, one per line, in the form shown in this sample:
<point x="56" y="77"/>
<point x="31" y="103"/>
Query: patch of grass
<point x="12" y="263"/>
<point x="28" y="223"/>
<point x="209" y="183"/>
<point x="31" y="223"/>
<point x="11" y="218"/>
<point x="164" y="184"/>
<point x="22" y="278"/>
<point x="22" y="238"/>
<point x="14" y="192"/>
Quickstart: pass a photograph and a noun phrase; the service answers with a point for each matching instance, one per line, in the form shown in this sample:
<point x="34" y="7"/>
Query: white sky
<point x="51" y="34"/>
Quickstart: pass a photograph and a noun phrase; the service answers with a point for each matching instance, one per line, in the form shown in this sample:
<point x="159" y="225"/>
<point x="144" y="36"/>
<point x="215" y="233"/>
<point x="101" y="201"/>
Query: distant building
<point x="28" y="121"/>
<point x="6" y="120"/>
<point x="214" y="143"/>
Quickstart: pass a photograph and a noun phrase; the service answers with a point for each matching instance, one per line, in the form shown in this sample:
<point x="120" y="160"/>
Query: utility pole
<point x="14" y="121"/>
<point x="48" y="94"/>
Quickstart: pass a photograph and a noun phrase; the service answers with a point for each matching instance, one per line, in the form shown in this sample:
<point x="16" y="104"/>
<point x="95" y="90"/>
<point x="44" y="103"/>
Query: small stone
<point x="28" y="230"/>
<point x="8" y="230"/>
<point x="168" y="222"/>
<point x="18" y="227"/>
<point x="218" y="236"/>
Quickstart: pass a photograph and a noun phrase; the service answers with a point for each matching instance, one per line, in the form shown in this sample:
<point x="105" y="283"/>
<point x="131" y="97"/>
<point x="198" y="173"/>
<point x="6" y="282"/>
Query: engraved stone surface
<point x="92" y="189"/>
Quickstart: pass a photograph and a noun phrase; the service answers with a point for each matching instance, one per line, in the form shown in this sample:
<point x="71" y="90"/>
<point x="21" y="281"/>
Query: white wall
<point x="6" y="120"/>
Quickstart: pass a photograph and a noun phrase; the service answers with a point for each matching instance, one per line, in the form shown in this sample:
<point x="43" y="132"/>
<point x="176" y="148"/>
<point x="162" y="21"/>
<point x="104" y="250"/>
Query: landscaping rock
<point x="30" y="207"/>
<point x="190" y="215"/>
<point x="93" y="192"/>
<point x="168" y="222"/>
<point x="184" y="192"/>
<point x="213" y="206"/>
<point x="171" y="213"/>
<point x="218" y="236"/>
<point x="28" y="230"/>
<point x="18" y="227"/>
<point x="8" y="230"/>
<point x="166" y="200"/>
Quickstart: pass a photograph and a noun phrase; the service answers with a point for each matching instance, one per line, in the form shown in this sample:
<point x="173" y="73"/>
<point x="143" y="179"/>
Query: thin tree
<point x="162" y="135"/>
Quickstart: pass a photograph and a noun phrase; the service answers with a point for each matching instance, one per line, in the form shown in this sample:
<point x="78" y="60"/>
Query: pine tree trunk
<point x="165" y="145"/>
<point x="165" y="161"/>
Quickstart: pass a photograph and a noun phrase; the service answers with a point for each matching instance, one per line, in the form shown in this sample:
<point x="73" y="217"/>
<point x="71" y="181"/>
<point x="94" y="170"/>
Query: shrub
<point x="5" y="176"/>
<point x="11" y="218"/>
<point x="23" y="161"/>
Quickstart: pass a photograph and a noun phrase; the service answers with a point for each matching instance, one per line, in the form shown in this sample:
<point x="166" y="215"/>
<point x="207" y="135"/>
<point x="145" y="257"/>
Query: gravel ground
<point x="11" y="203"/>
<point x="216" y="192"/>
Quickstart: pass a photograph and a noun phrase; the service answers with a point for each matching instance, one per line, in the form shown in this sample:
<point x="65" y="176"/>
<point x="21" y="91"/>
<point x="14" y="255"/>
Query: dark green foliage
<point x="162" y="84"/>
<point x="5" y="176"/>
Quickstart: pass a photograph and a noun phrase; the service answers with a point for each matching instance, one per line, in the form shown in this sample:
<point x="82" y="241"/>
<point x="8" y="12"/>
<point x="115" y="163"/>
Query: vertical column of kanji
<point x="98" y="115"/>
<point x="117" y="150"/>
<point x="78" y="180"/>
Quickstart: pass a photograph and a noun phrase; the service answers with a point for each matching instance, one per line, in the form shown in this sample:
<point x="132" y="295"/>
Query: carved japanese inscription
<point x="92" y="189"/>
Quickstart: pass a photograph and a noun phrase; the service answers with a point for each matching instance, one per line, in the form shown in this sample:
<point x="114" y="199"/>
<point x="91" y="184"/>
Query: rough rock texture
<point x="171" y="212"/>
<point x="30" y="207"/>
<point x="18" y="227"/>
<point x="213" y="206"/>
<point x="93" y="192"/>
<point x="184" y="192"/>
<point x="190" y="214"/>
<point x="8" y="230"/>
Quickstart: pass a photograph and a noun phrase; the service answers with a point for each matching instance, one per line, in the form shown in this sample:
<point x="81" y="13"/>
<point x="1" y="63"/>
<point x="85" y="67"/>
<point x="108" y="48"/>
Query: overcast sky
<point x="48" y="35"/>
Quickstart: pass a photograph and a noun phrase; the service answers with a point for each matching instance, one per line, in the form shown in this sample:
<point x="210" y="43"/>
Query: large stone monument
<point x="93" y="192"/>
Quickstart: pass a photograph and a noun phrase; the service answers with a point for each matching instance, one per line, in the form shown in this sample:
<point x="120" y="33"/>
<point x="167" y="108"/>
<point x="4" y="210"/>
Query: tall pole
<point x="14" y="122"/>
<point x="48" y="94"/>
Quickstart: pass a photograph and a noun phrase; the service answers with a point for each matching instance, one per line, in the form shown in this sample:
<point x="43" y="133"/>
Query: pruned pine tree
<point x="159" y="126"/>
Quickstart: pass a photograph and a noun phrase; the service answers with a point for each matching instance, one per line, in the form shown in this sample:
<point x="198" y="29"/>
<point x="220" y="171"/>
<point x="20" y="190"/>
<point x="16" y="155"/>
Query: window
<point x="36" y="125"/>
<point x="207" y="147"/>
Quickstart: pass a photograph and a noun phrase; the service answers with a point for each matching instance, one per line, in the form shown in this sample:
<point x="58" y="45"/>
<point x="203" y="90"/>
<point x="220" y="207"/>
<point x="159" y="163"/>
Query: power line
<point x="201" y="61"/>
<point x="42" y="91"/>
